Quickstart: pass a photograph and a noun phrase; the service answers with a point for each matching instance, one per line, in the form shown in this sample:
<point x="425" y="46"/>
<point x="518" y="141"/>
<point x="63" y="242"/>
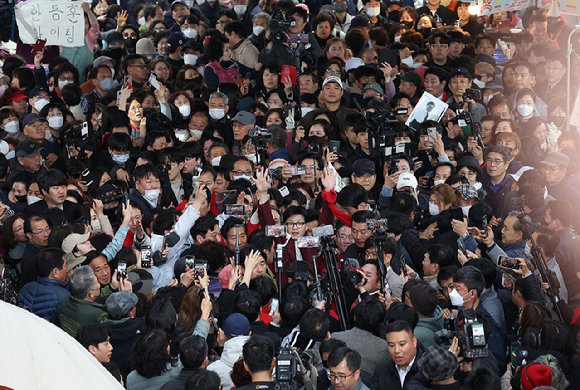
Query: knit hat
<point x="437" y="363"/>
<point x="145" y="47"/>
<point x="534" y="375"/>
<point x="424" y="299"/>
<point x="119" y="304"/>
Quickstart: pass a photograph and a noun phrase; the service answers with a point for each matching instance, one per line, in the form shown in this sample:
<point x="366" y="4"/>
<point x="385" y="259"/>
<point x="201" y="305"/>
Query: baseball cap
<point x="17" y="97"/>
<point x="437" y="363"/>
<point x="460" y="71"/>
<point x="236" y="325"/>
<point x="114" y="37"/>
<point x="36" y="90"/>
<point x="363" y="166"/>
<point x="120" y="304"/>
<point x="332" y="79"/>
<point x="72" y="240"/>
<point x="28" y="148"/>
<point x="353" y="63"/>
<point x="32" y="118"/>
<point x="193" y="45"/>
<point x="412" y="77"/>
<point x="516" y="176"/>
<point x="407" y="179"/>
<point x="555" y="159"/>
<point x="245" y="118"/>
<point x="72" y="261"/>
<point x="375" y="87"/>
<point x="468" y="191"/>
<point x="102" y="60"/>
<point x="178" y="2"/>
<point x="175" y="40"/>
<point x="360" y="21"/>
<point x="142" y="286"/>
<point x="484" y="68"/>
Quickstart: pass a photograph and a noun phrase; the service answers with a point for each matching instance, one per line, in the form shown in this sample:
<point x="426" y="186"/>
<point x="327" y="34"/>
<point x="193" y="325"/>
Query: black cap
<point x="460" y="71"/>
<point x="412" y="77"/>
<point x="28" y="148"/>
<point x="114" y="37"/>
<point x="32" y="118"/>
<point x="360" y="21"/>
<point x="35" y="91"/>
<point x="363" y="166"/>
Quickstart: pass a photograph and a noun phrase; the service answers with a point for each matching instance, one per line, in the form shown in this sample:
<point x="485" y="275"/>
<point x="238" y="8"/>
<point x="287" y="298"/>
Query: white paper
<point x="428" y="108"/>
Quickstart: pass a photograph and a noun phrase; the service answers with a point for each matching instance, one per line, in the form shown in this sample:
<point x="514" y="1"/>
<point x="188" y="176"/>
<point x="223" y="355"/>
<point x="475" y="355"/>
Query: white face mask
<point x="32" y="199"/>
<point x="252" y="158"/>
<point x="215" y="162"/>
<point x="479" y="83"/>
<point x="3" y="88"/>
<point x="246" y="177"/>
<point x="96" y="224"/>
<point x="189" y="3"/>
<point x="373" y="11"/>
<point x="525" y="110"/>
<point x="141" y="21"/>
<point x="271" y="106"/>
<point x="465" y="210"/>
<point x="40" y="104"/>
<point x="12" y="127"/>
<point x="433" y="210"/>
<point x="196" y="133"/>
<point x="10" y="155"/>
<point x="190" y="33"/>
<point x="417" y="64"/>
<point x="62" y="84"/>
<point x="305" y="110"/>
<point x="408" y="61"/>
<point x="200" y="2"/>
<point x="151" y="196"/>
<point x="56" y="122"/>
<point x="487" y="98"/>
<point x="189" y="59"/>
<point x="437" y="182"/>
<point x="456" y="298"/>
<point x="398" y="39"/>
<point x="185" y="110"/>
<point x="257" y="30"/>
<point x="528" y="251"/>
<point x="240" y="9"/>
<point x="217" y="113"/>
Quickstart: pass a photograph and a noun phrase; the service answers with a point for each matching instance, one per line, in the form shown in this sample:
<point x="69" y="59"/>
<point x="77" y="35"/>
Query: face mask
<point x="56" y="122"/>
<point x="408" y="61"/>
<point x="211" y="1"/>
<point x="185" y="110"/>
<point x="215" y="162"/>
<point x="3" y="88"/>
<point x="398" y="39"/>
<point x="217" y="113"/>
<point x="417" y="65"/>
<point x="257" y="30"/>
<point x="528" y="251"/>
<point x="340" y="8"/>
<point x="270" y="106"/>
<point x="10" y="155"/>
<point x="487" y="98"/>
<point x="12" y="127"/>
<point x="32" y="199"/>
<point x="525" y="110"/>
<point x="479" y="83"/>
<point x="61" y="84"/>
<point x="40" y="104"/>
<point x="437" y="182"/>
<point x="141" y="21"/>
<point x="373" y="11"/>
<point x="465" y="210"/>
<point x="394" y="16"/>
<point x="252" y="158"/>
<point x="456" y="298"/>
<point x="240" y="9"/>
<point x="200" y="2"/>
<point x="189" y="59"/>
<point x="120" y="159"/>
<point x="196" y="133"/>
<point x="21" y="198"/>
<point x="190" y="33"/>
<point x="425" y="32"/>
<point x="151" y="196"/>
<point x="96" y="224"/>
<point x="409" y="25"/>
<point x="130" y="42"/>
<point x="189" y="3"/>
<point x="106" y="84"/>
<point x="559" y="121"/>
<point x="305" y="110"/>
<point x="245" y="177"/>
<point x="433" y="210"/>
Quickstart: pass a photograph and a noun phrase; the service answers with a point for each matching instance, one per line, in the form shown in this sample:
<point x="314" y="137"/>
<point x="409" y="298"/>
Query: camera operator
<point x="279" y="51"/>
<point x="459" y="81"/>
<point x="259" y="361"/>
<point x="345" y="374"/>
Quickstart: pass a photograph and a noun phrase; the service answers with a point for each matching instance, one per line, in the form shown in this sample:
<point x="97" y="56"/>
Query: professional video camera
<point x="382" y="127"/>
<point x="292" y="368"/>
<point x="260" y="137"/>
<point x="278" y="26"/>
<point x="471" y="335"/>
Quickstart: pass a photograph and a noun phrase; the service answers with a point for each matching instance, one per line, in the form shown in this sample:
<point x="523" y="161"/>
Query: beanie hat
<point x="145" y="47"/>
<point x="424" y="299"/>
<point x="534" y="375"/>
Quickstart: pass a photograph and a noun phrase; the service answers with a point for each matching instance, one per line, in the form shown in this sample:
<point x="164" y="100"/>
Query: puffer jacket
<point x="230" y="355"/>
<point x="43" y="298"/>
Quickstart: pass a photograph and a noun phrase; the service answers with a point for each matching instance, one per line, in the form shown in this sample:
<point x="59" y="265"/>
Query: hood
<point x="233" y="350"/>
<point x="433" y="323"/>
<point x="125" y="329"/>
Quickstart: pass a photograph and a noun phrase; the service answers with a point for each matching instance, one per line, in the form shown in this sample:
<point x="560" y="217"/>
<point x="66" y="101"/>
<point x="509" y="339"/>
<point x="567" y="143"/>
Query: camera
<point x="260" y="138"/>
<point x="472" y="93"/>
<point x="508" y="262"/>
<point x="278" y="26"/>
<point x="313" y="148"/>
<point x="292" y="366"/>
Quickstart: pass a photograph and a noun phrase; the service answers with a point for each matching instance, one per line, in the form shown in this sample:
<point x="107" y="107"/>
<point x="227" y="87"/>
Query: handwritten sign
<point x="61" y="23"/>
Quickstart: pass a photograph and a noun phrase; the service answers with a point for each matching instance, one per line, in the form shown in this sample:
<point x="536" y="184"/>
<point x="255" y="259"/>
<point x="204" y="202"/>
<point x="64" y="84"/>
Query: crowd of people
<point x="204" y="185"/>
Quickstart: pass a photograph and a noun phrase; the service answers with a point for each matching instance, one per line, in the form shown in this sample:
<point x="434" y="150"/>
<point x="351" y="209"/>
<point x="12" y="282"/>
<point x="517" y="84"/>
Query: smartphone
<point x="323" y="231"/>
<point x="509" y="262"/>
<point x="404" y="265"/>
<point x="119" y="94"/>
<point x="145" y="256"/>
<point x="461" y="246"/>
<point x="378" y="224"/>
<point x="153" y="81"/>
<point x="503" y="24"/>
<point x="198" y="266"/>
<point x="432" y="132"/>
<point x="85" y="130"/>
<point x="308" y="242"/>
<point x="128" y="81"/>
<point x="38" y="46"/>
<point x="121" y="270"/>
<point x="457" y="214"/>
<point x="335" y="146"/>
<point x="485" y="226"/>
<point x="248" y="76"/>
<point x="276" y="230"/>
<point x="273" y="306"/>
<point x="235" y="209"/>
<point x="189" y="262"/>
<point x="298" y="170"/>
<point x="391" y="56"/>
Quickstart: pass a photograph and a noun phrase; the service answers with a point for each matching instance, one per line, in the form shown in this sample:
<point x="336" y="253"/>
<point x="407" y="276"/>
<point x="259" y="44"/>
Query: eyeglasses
<point x="553" y="68"/>
<point x="298" y="225"/>
<point x="345" y="237"/>
<point x="138" y="66"/>
<point x="239" y="172"/>
<point x="45" y="231"/>
<point x="439" y="46"/>
<point x="226" y="22"/>
<point x="333" y="72"/>
<point x="339" y="378"/>
<point x="494" y="161"/>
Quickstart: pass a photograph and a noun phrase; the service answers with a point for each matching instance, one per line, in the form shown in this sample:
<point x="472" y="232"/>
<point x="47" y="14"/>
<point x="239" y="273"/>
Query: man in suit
<point x="402" y="367"/>
<point x="555" y="84"/>
<point x="52" y="184"/>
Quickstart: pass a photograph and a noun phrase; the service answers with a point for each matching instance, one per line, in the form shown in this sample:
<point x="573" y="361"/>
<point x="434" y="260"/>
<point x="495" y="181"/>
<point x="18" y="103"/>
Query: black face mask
<point x="559" y="121"/>
<point x="394" y="15"/>
<point x="21" y="198"/>
<point x="259" y="120"/>
<point x="409" y="25"/>
<point x="425" y="32"/>
<point x="130" y="42"/>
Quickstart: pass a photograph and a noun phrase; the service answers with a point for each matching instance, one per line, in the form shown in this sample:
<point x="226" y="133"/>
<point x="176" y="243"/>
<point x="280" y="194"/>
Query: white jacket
<point x="230" y="355"/>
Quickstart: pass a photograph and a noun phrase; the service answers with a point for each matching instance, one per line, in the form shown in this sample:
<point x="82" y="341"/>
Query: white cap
<point x="516" y="176"/>
<point x="4" y="148"/>
<point x="353" y="63"/>
<point x="332" y="79"/>
<point x="407" y="179"/>
<point x="553" y="11"/>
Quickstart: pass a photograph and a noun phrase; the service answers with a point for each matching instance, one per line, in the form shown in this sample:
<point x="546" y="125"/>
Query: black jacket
<point x="41" y="207"/>
<point x="445" y="13"/>
<point x="29" y="266"/>
<point x="387" y="377"/>
<point x="124" y="334"/>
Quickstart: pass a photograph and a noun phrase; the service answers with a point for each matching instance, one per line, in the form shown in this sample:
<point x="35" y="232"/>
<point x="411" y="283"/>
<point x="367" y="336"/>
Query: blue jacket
<point x="43" y="298"/>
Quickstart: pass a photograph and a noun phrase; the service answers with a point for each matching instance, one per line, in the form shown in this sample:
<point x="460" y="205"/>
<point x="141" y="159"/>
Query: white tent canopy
<point x="35" y="354"/>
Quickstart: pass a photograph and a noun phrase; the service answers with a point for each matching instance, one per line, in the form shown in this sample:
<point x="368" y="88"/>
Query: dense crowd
<point x="388" y="189"/>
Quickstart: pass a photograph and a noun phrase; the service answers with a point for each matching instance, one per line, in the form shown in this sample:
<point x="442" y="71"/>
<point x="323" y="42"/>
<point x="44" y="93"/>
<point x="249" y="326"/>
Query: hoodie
<point x="426" y="328"/>
<point x="230" y="355"/>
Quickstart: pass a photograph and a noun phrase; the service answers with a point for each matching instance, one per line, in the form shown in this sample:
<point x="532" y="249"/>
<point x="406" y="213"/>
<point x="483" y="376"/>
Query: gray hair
<point x="219" y="95"/>
<point x="518" y="225"/>
<point x="261" y="15"/>
<point x="81" y="282"/>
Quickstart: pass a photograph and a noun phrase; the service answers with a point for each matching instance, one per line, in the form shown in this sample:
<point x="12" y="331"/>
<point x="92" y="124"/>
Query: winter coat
<point x="43" y="298"/>
<point x="230" y="355"/>
<point x="426" y="328"/>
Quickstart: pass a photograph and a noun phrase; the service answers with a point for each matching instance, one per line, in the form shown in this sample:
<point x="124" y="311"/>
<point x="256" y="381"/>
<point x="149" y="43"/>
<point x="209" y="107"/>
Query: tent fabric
<point x="38" y="355"/>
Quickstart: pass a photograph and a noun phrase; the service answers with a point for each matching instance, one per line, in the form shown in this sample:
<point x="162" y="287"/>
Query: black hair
<point x="398" y="311"/>
<point x="548" y="239"/>
<point x="192" y="149"/>
<point x="488" y="270"/>
<point x="144" y="171"/>
<point x="403" y="203"/>
<point x="247" y="303"/>
<point x="330" y="345"/>
<point x="120" y="142"/>
<point x="192" y="352"/>
<point x="315" y="324"/>
<point x="49" y="259"/>
<point x="446" y="273"/>
<point x="440" y="254"/>
<point x="292" y="309"/>
<point x="203" y="225"/>
<point x="238" y="28"/>
<point x="399" y="326"/>
<point x="203" y="380"/>
<point x="231" y="223"/>
<point x="471" y="277"/>
<point x="50" y="178"/>
<point x="294" y="210"/>
<point x="265" y="287"/>
<point x="93" y="334"/>
<point x="369" y="314"/>
<point x="71" y="94"/>
<point x="258" y="353"/>
<point x="353" y="358"/>
<point x="351" y="195"/>
<point x="361" y="216"/>
<point x="150" y="353"/>
<point x="214" y="49"/>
